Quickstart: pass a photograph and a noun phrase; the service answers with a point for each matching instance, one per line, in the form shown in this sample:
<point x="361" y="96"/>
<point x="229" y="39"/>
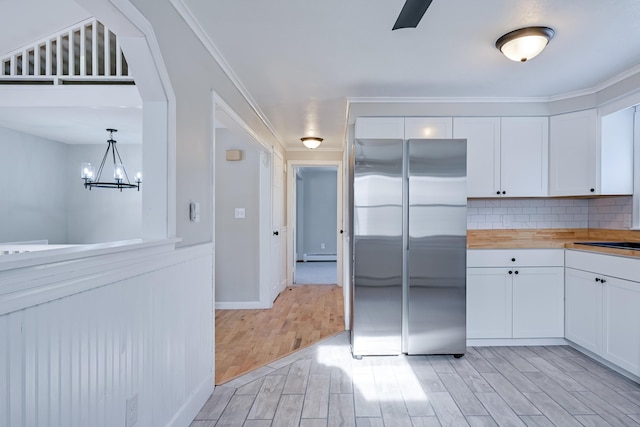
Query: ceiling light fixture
<point x="311" y="141"/>
<point x="525" y="43"/>
<point x="120" y="177"/>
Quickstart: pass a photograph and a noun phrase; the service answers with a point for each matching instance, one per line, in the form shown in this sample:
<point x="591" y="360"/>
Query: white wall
<point x="237" y="239"/>
<point x="33" y="188"/>
<point x="317" y="206"/>
<point x="86" y="338"/>
<point x="102" y="214"/>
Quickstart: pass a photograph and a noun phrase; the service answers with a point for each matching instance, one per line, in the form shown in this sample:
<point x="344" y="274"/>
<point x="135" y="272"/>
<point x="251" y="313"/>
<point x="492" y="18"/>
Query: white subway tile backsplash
<point x="606" y="212"/>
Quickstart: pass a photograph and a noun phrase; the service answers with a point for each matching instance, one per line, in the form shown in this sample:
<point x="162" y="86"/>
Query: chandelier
<point x="120" y="177"/>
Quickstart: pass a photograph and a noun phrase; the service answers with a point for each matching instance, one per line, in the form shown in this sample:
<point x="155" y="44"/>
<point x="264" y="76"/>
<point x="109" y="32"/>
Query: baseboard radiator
<point x="319" y="257"/>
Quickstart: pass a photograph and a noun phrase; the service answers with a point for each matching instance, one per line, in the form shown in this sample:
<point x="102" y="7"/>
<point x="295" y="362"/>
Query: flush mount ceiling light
<point x="120" y="177"/>
<point x="311" y="141"/>
<point x="525" y="43"/>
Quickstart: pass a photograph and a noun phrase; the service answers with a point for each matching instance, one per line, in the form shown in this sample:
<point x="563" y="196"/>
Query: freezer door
<point x="436" y="312"/>
<point x="377" y="247"/>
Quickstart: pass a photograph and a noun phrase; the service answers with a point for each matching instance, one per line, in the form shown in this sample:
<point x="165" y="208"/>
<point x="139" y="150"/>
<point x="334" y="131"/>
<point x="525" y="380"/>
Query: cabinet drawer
<point x="609" y="265"/>
<point x="515" y="258"/>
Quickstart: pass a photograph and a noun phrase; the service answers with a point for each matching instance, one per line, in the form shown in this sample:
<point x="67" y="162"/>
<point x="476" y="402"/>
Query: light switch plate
<point x="240" y="213"/>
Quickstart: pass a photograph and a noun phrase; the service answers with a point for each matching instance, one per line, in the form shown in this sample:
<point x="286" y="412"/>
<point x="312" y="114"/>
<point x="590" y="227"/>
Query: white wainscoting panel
<point x="75" y="360"/>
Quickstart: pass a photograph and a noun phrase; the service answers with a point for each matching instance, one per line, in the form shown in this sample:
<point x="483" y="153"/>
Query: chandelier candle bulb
<point x="86" y="171"/>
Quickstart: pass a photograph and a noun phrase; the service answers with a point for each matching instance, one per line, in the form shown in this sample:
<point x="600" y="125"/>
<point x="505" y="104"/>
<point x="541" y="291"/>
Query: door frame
<point x="291" y="215"/>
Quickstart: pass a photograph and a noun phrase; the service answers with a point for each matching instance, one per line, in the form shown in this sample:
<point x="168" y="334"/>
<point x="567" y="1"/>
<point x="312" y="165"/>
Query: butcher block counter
<point x="552" y="238"/>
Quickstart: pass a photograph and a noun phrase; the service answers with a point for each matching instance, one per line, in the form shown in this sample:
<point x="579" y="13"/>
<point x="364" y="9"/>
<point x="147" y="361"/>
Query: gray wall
<point x="237" y="240"/>
<point x="33" y="188"/>
<point x="317" y="211"/>
<point x="42" y="196"/>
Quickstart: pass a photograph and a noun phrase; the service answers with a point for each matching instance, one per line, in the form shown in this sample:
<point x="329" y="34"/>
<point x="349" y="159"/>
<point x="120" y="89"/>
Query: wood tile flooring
<point x="301" y="315"/>
<point x="323" y="385"/>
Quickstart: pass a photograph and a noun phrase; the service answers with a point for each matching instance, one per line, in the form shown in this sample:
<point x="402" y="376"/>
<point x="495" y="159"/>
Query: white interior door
<point x="279" y="230"/>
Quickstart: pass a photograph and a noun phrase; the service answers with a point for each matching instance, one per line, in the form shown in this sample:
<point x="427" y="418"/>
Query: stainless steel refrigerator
<point x="409" y="228"/>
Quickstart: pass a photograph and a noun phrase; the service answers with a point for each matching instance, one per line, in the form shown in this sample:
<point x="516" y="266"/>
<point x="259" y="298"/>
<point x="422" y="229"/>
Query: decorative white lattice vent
<point x="84" y="53"/>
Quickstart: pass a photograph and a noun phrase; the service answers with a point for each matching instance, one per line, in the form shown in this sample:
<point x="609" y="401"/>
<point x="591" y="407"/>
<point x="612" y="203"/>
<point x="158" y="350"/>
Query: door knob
<point x="341" y="231"/>
<point x="275" y="233"/>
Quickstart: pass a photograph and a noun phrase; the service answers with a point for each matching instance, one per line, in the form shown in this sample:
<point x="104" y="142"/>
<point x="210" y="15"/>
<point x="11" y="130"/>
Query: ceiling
<point x="300" y="61"/>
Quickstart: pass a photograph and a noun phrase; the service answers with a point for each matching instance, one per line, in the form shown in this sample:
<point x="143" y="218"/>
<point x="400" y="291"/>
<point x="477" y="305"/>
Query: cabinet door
<point x="621" y="320"/>
<point x="428" y="127"/>
<point x="488" y="303"/>
<point x="616" y="152"/>
<point x="572" y="154"/>
<point x="379" y="128"/>
<point x="583" y="309"/>
<point x="524" y="151"/>
<point x="538" y="302"/>
<point x="483" y="153"/>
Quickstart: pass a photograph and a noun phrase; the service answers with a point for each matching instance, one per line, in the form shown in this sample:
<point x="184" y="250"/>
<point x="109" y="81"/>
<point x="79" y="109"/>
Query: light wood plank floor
<point x="301" y="315"/>
<point x="490" y="386"/>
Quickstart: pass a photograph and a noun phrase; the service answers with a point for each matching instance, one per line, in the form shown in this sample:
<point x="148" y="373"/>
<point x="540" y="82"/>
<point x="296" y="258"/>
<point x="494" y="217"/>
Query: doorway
<point x="315" y="241"/>
<point x="310" y="197"/>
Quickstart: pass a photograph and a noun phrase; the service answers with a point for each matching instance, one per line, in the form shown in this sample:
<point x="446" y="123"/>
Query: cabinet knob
<point x="510" y="272"/>
<point x="516" y="271"/>
<point x="602" y="281"/>
<point x="275" y="233"/>
<point x="597" y="279"/>
<point x="498" y="192"/>
<point x="504" y="192"/>
<point x="513" y="260"/>
<point x="592" y="190"/>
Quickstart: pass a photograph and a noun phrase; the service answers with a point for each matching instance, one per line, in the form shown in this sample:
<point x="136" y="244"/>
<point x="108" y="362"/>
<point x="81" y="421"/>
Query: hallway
<point x="301" y="315"/>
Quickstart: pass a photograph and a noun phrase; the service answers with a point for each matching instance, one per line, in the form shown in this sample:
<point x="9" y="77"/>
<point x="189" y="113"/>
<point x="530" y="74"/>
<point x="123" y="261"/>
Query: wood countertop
<point x="552" y="238"/>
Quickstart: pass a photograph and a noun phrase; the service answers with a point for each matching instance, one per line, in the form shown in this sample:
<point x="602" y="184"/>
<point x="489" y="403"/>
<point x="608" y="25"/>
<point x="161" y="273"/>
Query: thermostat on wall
<point x="234" y="155"/>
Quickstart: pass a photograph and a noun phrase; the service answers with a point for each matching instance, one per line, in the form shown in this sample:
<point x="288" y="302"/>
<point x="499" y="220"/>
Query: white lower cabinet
<point x="621" y="323"/>
<point x="603" y="311"/>
<point x="583" y="309"/>
<point x="538" y="303"/>
<point x="508" y="296"/>
<point x="489" y="303"/>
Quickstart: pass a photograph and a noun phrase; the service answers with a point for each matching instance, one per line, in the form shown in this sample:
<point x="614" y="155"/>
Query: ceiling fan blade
<point x="411" y="13"/>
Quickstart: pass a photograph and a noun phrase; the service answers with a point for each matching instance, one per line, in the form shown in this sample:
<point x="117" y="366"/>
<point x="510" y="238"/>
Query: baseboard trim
<point x="241" y="305"/>
<point x="185" y="415"/>
<point x="604" y="362"/>
<point x="501" y="342"/>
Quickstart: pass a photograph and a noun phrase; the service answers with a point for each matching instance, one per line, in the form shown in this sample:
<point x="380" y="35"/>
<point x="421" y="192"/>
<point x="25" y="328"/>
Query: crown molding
<point x="193" y="23"/>
<point x="441" y="100"/>
<point x="599" y="87"/>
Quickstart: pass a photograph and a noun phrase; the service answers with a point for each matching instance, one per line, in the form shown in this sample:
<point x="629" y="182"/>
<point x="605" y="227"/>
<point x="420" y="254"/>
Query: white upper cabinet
<point x="524" y="154"/>
<point x="572" y="157"/>
<point x="483" y="153"/>
<point x="379" y="128"/>
<point x="589" y="155"/>
<point x="616" y="152"/>
<point x="505" y="157"/>
<point x="404" y="128"/>
<point x="428" y="127"/>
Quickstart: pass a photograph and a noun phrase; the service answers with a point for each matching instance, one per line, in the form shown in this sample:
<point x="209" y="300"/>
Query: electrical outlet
<point x="132" y="411"/>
